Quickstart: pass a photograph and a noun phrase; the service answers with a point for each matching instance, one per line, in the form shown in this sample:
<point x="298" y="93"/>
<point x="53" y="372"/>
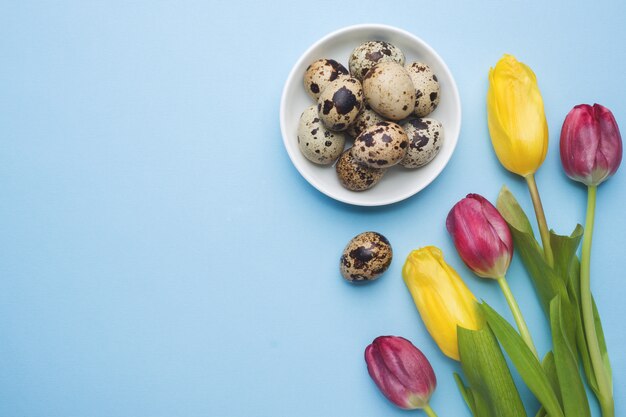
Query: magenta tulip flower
<point x="591" y="152"/>
<point x="591" y="144"/>
<point x="402" y="372"/>
<point x="481" y="236"/>
<point x="484" y="242"/>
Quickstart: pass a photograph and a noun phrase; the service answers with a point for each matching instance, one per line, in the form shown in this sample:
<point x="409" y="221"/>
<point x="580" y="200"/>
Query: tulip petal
<point x="516" y="118"/>
<point x="591" y="144"/>
<point x="441" y="297"/>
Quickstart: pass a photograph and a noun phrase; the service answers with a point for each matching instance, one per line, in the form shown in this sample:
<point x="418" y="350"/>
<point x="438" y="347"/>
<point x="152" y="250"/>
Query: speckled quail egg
<point x="380" y="146"/>
<point x="427" y="88"/>
<point x="370" y="53"/>
<point x="317" y="143"/>
<point x="366" y="257"/>
<point x="354" y="176"/>
<point x="340" y="103"/>
<point x="389" y="91"/>
<point x="425" y="139"/>
<point x="365" y="119"/>
<point x="320" y="73"/>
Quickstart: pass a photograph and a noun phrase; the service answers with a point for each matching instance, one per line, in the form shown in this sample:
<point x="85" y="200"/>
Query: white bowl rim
<point x="455" y="129"/>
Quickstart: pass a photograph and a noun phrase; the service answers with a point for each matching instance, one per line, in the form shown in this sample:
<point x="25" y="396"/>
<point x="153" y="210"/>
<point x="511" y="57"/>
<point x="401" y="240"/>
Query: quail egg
<point x="340" y="103"/>
<point x="366" y="257"/>
<point x="380" y="146"/>
<point x="389" y="91"/>
<point x="320" y="73"/>
<point x="365" y="119"/>
<point x="354" y="176"/>
<point x="427" y="88"/>
<point x="370" y="53"/>
<point x="317" y="143"/>
<point x="425" y="139"/>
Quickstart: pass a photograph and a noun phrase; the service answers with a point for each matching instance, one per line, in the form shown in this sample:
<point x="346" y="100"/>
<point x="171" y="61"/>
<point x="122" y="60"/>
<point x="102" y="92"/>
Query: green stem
<point x="517" y="314"/>
<point x="541" y="218"/>
<point x="429" y="411"/>
<point x="605" y="396"/>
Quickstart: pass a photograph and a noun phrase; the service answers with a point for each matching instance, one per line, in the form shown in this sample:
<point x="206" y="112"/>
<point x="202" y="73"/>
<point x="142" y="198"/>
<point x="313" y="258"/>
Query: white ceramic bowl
<point x="398" y="183"/>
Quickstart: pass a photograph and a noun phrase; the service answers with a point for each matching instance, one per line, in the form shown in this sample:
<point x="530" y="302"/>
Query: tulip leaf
<point x="488" y="375"/>
<point x="512" y="212"/>
<point x="564" y="250"/>
<point x="541" y="413"/>
<point x="466" y="393"/>
<point x="573" y="288"/>
<point x="549" y="368"/>
<point x="524" y="360"/>
<point x="573" y="393"/>
<point x="602" y="341"/>
<point x="546" y="282"/>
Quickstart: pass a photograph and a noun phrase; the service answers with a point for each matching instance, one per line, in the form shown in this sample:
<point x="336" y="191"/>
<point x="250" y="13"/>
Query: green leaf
<point x="573" y="393"/>
<point x="573" y="288"/>
<point x="541" y="413"/>
<point x="488" y="375"/>
<point x="546" y="282"/>
<point x="466" y="393"/>
<point x="524" y="360"/>
<point x="564" y="251"/>
<point x="602" y="342"/>
<point x="549" y="368"/>
<point x="510" y="209"/>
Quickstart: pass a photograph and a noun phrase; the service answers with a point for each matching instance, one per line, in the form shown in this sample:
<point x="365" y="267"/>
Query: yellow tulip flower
<point x="442" y="298"/>
<point x="517" y="122"/>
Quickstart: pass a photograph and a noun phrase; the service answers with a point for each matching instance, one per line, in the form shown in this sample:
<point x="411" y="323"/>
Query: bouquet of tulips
<point x="484" y="236"/>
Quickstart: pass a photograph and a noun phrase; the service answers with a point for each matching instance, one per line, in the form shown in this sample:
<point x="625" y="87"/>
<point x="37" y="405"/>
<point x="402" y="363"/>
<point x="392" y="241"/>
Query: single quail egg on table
<point x="354" y="176"/>
<point x="370" y="53"/>
<point x="366" y="257"/>
<point x="340" y="103"/>
<point x="425" y="139"/>
<point x="317" y="143"/>
<point x="364" y="120"/>
<point x="389" y="91"/>
<point x="427" y="89"/>
<point x="380" y="146"/>
<point x="320" y="73"/>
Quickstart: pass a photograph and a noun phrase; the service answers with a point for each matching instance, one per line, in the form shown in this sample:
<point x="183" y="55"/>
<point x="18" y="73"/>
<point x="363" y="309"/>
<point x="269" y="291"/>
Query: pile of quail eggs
<point x="380" y="105"/>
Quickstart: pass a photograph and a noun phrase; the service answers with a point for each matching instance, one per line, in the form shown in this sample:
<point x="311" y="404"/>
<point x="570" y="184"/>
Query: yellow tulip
<point x="517" y="122"/>
<point x="442" y="298"/>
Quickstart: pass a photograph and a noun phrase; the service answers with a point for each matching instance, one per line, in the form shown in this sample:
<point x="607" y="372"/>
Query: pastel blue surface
<point x="161" y="256"/>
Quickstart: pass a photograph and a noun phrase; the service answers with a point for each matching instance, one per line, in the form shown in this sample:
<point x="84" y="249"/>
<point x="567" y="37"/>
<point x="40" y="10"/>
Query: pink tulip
<point x="591" y="144"/>
<point x="481" y="236"/>
<point x="401" y="371"/>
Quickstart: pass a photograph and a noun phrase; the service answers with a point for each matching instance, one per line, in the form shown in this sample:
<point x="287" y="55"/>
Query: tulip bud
<point x="401" y="371"/>
<point x="441" y="297"/>
<point x="481" y="236"/>
<point x="591" y="144"/>
<point x="516" y="118"/>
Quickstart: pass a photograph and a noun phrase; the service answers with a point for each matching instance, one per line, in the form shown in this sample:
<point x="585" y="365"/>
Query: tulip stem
<point x="541" y="218"/>
<point x="429" y="411"/>
<point x="517" y="314"/>
<point x="605" y="396"/>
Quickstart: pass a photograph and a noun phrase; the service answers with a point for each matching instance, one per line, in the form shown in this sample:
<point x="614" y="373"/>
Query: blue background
<point x="161" y="256"/>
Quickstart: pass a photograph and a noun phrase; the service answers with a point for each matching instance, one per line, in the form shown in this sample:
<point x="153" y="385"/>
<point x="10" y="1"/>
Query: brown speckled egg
<point x="340" y="103"/>
<point x="366" y="257"/>
<point x="389" y="91"/>
<point x="370" y="53"/>
<point x="364" y="120"/>
<point x="317" y="143"/>
<point x="380" y="146"/>
<point x="354" y="176"/>
<point x="320" y="73"/>
<point x="425" y="140"/>
<point x="427" y="88"/>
